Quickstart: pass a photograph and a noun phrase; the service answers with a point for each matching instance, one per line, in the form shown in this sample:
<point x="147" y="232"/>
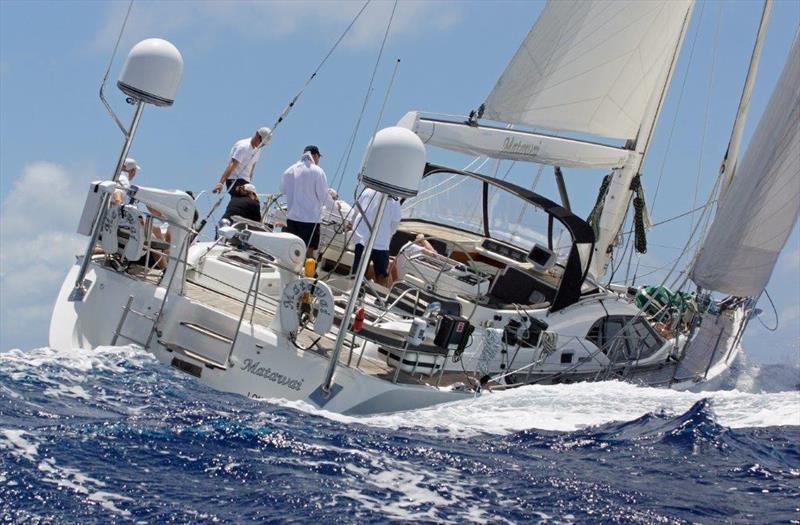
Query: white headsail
<point x="761" y="206"/>
<point x="590" y="66"/>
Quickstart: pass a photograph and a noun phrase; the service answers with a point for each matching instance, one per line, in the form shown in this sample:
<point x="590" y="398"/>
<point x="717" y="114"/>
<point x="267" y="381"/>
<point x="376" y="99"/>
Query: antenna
<point x="151" y="75"/>
<point x="152" y="72"/>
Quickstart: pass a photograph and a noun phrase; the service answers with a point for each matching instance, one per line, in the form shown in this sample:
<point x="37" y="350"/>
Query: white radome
<point x="152" y="72"/>
<point x="395" y="162"/>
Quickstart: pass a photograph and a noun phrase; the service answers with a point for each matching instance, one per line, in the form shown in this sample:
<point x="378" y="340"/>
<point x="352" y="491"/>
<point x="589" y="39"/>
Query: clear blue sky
<point x="244" y="61"/>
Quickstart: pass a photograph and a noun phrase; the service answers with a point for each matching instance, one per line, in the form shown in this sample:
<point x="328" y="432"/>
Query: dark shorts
<point x="379" y="258"/>
<point x="232" y="184"/>
<point x="308" y="231"/>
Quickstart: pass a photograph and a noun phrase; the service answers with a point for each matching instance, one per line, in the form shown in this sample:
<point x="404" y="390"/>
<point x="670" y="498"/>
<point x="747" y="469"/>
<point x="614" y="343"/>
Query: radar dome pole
<point x="151" y="75"/>
<point x="394" y="165"/>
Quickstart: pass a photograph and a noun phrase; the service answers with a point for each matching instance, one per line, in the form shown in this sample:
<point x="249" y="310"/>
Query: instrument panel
<point x="504" y="250"/>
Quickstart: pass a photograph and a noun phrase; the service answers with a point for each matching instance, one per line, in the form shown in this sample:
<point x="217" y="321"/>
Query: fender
<point x="292" y="299"/>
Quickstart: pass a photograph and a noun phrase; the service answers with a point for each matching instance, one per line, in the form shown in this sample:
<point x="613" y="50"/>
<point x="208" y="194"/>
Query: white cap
<point x="265" y="134"/>
<point x="249" y="188"/>
<point x="130" y="164"/>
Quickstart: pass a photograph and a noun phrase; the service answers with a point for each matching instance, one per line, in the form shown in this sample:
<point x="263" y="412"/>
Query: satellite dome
<point x="152" y="72"/>
<point x="395" y="162"/>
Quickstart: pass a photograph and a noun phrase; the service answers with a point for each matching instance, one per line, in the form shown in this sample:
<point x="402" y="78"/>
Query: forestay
<point x="590" y="66"/>
<point x="761" y="206"/>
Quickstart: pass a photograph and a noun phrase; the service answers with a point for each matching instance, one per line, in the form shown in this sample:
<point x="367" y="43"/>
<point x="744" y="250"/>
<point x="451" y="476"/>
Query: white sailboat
<point x="511" y="293"/>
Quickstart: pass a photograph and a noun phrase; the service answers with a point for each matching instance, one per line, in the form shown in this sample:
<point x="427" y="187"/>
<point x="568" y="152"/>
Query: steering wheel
<point x="431" y="285"/>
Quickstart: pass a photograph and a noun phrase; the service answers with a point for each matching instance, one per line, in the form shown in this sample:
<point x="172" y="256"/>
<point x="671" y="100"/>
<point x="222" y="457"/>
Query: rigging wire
<point x="357" y="205"/>
<point x="340" y="175"/>
<point x="292" y="102"/>
<point x="108" y="70"/>
<point x="703" y="135"/>
<point x="774" y="311"/>
<point x="674" y="218"/>
<point x="677" y="109"/>
<point x="386" y="97"/>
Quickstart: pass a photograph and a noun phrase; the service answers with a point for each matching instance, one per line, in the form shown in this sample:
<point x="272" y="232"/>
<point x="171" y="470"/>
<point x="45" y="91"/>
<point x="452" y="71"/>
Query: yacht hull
<point x="261" y="365"/>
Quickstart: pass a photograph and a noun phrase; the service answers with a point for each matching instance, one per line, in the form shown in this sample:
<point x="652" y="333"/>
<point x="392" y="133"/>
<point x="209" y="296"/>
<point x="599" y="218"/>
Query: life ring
<point x="132" y="220"/>
<point x="291" y="303"/>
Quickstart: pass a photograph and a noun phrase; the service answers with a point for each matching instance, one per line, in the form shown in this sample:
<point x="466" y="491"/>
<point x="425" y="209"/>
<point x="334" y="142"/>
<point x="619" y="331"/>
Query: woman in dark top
<point x="244" y="203"/>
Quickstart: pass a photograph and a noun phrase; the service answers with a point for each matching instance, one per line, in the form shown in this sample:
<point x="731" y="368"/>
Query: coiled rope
<point x="639" y="206"/>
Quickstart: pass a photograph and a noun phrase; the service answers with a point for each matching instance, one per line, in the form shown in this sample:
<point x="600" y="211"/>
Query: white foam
<point x="580" y="405"/>
<point x="78" y="482"/>
<point x="105" y="500"/>
<point x="17" y="445"/>
<point x="104" y="358"/>
<point x="72" y="391"/>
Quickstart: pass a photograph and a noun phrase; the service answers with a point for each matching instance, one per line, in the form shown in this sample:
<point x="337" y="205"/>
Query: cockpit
<point x="497" y="243"/>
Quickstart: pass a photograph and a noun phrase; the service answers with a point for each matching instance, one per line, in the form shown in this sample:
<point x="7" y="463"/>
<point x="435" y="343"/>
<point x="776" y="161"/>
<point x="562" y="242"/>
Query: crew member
<point x="244" y="155"/>
<point x="244" y="203"/>
<point x="127" y="173"/>
<point x="400" y="266"/>
<point x="368" y="202"/>
<point x="306" y="190"/>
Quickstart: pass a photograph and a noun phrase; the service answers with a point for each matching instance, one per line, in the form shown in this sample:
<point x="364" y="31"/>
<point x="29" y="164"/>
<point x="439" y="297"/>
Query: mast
<point x="728" y="166"/>
<point x="619" y="194"/>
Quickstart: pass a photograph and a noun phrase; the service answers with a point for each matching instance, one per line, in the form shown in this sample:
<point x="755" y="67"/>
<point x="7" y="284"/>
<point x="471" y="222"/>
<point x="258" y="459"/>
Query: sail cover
<point x="590" y="66"/>
<point x="762" y="203"/>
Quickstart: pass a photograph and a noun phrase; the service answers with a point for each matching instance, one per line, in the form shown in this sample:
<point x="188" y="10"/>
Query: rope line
<point x="292" y="102"/>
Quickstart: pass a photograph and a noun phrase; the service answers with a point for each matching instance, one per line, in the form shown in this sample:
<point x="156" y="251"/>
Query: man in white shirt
<point x="244" y="155"/>
<point x="306" y="190"/>
<point x="127" y="173"/>
<point x="368" y="202"/>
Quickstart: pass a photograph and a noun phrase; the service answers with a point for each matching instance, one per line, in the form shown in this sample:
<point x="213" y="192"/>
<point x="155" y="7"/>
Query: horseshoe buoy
<point x="131" y="220"/>
<point x="292" y="301"/>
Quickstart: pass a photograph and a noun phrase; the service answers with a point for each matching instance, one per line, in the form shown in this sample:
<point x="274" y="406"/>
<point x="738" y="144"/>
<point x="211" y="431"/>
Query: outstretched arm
<point x="227" y="173"/>
<point x="323" y="195"/>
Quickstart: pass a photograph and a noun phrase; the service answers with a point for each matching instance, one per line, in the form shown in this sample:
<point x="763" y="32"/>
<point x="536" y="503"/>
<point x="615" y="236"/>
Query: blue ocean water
<point x="111" y="436"/>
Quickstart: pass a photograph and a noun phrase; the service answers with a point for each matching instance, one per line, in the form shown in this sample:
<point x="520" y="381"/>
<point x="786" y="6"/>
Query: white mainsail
<point x="590" y="66"/>
<point x="761" y="206"/>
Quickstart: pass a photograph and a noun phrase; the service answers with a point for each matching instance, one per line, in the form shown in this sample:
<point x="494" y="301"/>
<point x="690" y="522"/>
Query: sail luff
<point x="762" y="204"/>
<point x="728" y="168"/>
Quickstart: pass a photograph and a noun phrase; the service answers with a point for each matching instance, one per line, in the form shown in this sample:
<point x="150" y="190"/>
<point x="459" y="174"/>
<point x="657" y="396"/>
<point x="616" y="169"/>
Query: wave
<point x="755" y="378"/>
<point x="123" y="381"/>
<point x="84" y="434"/>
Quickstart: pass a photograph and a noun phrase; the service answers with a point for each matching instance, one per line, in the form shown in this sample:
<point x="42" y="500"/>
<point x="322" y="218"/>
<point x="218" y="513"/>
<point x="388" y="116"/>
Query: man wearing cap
<point x="244" y="155"/>
<point x="126" y="175"/>
<point x="306" y="190"/>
